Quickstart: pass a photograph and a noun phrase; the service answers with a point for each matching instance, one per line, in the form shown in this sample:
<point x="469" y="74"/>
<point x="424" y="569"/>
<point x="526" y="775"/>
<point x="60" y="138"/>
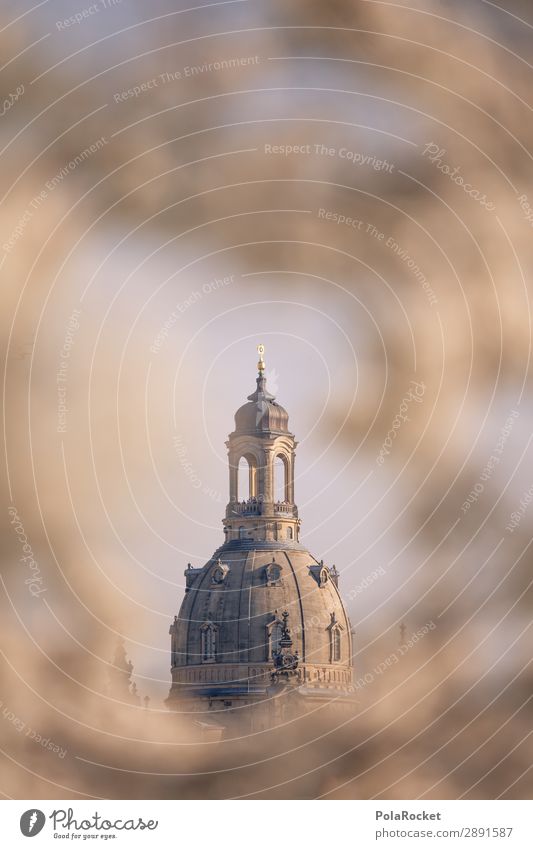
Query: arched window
<point x="336" y="645"/>
<point x="209" y="642"/>
<point x="247" y="478"/>
<point x="275" y="637"/>
<point x="335" y="639"/>
<point x="289" y="533"/>
<point x="281" y="482"/>
<point x="274" y="632"/>
<point x="242" y="532"/>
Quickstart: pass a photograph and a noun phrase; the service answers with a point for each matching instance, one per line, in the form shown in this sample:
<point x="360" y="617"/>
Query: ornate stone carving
<point x="285" y="659"/>
<point x="190" y="576"/>
<point x="320" y="573"/>
<point x="273" y="574"/>
<point x="219" y="573"/>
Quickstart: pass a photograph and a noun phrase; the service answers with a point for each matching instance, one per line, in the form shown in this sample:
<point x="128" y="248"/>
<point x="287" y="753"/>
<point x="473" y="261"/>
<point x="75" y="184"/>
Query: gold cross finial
<point x="261" y="363"/>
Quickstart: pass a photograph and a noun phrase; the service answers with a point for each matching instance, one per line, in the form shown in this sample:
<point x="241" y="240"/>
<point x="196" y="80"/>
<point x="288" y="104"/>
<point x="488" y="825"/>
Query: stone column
<point x="233" y="480"/>
<point x="290" y="479"/>
<point x="267" y="475"/>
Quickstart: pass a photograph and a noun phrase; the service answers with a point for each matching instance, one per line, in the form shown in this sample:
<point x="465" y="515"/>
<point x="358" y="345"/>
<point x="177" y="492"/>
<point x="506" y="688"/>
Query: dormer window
<point x="320" y="573"/>
<point x="190" y="576"/>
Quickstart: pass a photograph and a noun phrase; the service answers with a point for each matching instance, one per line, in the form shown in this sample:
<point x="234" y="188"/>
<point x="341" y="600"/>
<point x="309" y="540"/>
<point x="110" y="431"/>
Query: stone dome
<point x="262" y="413"/>
<point x="262" y="616"/>
<point x="242" y="593"/>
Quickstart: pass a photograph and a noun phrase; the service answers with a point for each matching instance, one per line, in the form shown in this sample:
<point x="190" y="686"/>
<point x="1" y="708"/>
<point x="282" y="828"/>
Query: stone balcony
<point x="258" y="507"/>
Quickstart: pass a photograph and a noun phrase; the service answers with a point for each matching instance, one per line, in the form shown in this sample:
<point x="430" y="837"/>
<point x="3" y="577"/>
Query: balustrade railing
<point x="255" y="506"/>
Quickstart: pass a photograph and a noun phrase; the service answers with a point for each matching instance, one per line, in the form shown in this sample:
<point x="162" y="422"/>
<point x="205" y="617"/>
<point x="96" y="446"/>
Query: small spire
<point x="261" y="394"/>
<point x="261" y="363"/>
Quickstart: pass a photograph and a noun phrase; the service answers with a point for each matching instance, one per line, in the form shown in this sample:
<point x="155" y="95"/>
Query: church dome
<point x="241" y="594"/>
<point x="262" y="615"/>
<point x="261" y="413"/>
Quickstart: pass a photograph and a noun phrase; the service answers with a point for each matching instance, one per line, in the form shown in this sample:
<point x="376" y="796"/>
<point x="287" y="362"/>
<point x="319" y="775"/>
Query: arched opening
<point x="242" y="532"/>
<point x="247" y="478"/>
<point x="275" y="630"/>
<point x="289" y="533"/>
<point x="281" y="478"/>
<point x="209" y="635"/>
<point x="336" y="645"/>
